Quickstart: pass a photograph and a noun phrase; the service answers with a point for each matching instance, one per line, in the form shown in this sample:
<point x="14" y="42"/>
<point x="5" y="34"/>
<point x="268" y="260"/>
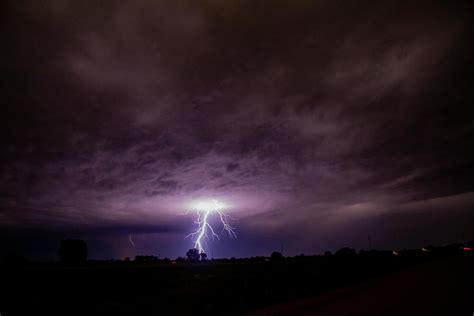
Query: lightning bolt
<point x="131" y="240"/>
<point x="203" y="211"/>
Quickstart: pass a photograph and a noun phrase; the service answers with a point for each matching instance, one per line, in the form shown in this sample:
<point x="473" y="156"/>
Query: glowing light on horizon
<point x="204" y="209"/>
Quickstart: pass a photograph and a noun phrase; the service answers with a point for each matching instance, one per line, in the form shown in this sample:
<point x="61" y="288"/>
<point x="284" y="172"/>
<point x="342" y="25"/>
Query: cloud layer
<point x="303" y="116"/>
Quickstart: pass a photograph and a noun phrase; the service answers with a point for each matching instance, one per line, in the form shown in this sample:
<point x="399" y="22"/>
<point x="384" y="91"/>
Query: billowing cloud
<point x="301" y="116"/>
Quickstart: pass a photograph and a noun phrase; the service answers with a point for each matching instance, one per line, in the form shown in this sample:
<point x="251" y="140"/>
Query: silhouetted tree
<point x="73" y="251"/>
<point x="203" y="256"/>
<point x="276" y="255"/>
<point x="346" y="252"/>
<point x="193" y="255"/>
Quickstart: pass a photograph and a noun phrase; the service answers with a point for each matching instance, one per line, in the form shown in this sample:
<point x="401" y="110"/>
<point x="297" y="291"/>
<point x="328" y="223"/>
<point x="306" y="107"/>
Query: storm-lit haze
<point x="316" y="122"/>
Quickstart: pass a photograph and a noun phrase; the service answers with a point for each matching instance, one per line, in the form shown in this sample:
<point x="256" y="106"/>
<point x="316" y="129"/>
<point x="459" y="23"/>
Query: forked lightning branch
<point x="205" y="211"/>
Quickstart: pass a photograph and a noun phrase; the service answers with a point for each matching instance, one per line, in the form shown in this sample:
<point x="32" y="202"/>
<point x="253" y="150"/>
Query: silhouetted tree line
<point x="146" y="259"/>
<point x="75" y="251"/>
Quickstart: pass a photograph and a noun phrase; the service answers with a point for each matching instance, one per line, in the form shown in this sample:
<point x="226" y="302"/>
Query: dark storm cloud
<point x="299" y="115"/>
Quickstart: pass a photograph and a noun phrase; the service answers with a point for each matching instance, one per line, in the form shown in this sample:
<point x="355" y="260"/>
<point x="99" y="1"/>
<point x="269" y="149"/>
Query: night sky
<point x="317" y="122"/>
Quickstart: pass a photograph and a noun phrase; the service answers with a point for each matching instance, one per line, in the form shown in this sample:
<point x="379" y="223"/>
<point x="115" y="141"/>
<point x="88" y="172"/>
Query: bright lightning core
<point x="203" y="210"/>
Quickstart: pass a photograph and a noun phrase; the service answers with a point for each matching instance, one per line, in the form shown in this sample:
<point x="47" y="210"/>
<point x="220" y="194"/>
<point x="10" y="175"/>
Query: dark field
<point x="309" y="285"/>
<point x="438" y="287"/>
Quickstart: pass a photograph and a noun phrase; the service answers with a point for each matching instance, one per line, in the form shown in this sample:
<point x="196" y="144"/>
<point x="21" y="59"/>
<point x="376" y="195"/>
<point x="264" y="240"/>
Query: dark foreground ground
<point x="440" y="287"/>
<point x="370" y="284"/>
